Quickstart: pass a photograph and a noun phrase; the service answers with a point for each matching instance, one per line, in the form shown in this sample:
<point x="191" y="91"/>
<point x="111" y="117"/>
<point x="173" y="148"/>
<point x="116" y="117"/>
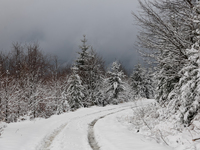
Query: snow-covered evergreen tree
<point x="82" y="62"/>
<point x="141" y="82"/>
<point x="95" y="79"/>
<point x="115" y="84"/>
<point x="83" y="67"/>
<point x="186" y="96"/>
<point x="90" y="69"/>
<point x="75" y="91"/>
<point x="189" y="84"/>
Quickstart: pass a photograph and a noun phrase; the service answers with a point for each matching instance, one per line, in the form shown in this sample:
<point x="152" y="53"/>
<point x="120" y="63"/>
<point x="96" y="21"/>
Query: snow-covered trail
<point x="75" y="135"/>
<point x="70" y="131"/>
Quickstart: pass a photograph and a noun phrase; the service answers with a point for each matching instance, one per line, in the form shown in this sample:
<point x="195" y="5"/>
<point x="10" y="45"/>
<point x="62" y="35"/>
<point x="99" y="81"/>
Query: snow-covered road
<point x="69" y="131"/>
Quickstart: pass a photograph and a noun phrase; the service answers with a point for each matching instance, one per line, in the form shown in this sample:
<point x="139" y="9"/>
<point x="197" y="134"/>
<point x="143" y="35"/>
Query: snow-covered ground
<point x="69" y="131"/>
<point x="147" y="122"/>
<point x="112" y="135"/>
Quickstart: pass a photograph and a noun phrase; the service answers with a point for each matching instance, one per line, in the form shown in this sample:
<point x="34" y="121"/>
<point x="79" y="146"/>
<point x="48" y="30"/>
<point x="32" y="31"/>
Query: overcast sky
<point x="58" y="26"/>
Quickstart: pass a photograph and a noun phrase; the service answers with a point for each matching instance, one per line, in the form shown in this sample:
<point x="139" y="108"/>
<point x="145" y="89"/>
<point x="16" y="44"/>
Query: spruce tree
<point x="82" y="62"/>
<point x="141" y="82"/>
<point x="115" y="83"/>
<point x="95" y="77"/>
<point x="75" y="91"/>
<point x="83" y="66"/>
<point x="90" y="68"/>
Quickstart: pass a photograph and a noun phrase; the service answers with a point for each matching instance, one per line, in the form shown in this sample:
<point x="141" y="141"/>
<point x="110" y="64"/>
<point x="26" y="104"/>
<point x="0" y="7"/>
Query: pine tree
<point x="75" y="91"/>
<point x="90" y="68"/>
<point x="82" y="62"/>
<point x="95" y="77"/>
<point x="83" y="68"/>
<point x="115" y="83"/>
<point x="141" y="82"/>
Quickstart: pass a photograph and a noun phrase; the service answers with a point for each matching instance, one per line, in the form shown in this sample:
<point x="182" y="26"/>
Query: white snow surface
<point x="112" y="135"/>
<point x="69" y="131"/>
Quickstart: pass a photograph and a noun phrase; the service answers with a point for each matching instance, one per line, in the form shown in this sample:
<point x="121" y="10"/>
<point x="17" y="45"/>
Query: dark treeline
<point x="26" y="60"/>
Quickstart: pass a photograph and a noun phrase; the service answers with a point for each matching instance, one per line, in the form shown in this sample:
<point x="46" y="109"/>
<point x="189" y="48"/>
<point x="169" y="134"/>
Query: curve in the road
<point x="91" y="137"/>
<point x="47" y="141"/>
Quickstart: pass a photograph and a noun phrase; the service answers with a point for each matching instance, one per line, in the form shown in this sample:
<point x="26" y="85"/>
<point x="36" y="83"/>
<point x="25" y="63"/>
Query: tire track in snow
<point x="91" y="137"/>
<point x="47" y="141"/>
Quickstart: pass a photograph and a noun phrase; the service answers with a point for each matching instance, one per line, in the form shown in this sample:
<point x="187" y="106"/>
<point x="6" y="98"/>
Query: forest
<point x="36" y="85"/>
<point x="33" y="84"/>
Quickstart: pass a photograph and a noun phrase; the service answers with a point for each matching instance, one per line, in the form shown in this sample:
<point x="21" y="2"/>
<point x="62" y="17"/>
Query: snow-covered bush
<point x="2" y="126"/>
<point x="145" y="117"/>
<point x="151" y="122"/>
<point x="28" y="116"/>
<point x="144" y="121"/>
